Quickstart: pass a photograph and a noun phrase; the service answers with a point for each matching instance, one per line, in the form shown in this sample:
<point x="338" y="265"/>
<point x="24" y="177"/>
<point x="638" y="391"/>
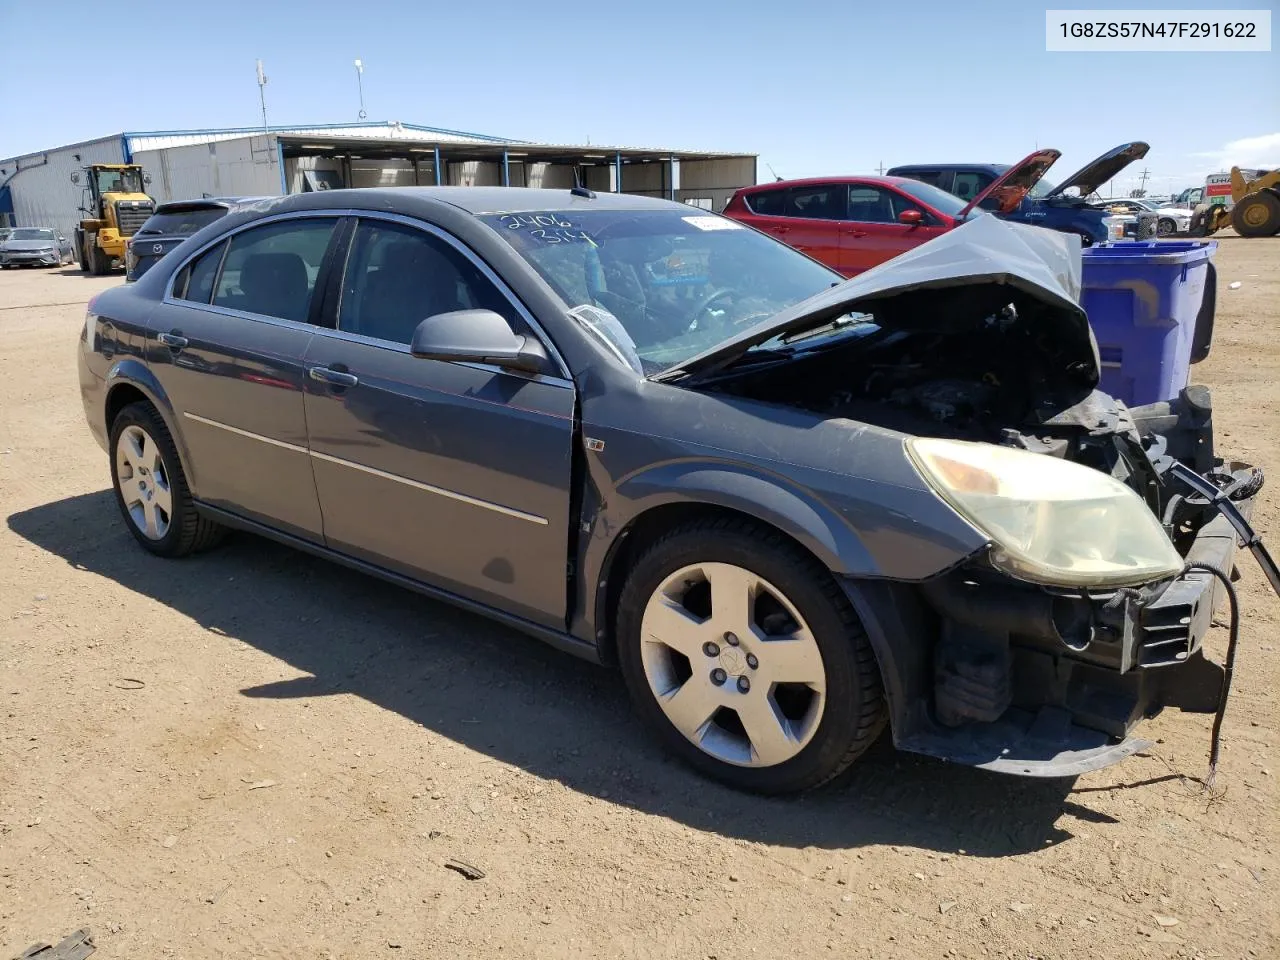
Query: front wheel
<point x="1165" y="227"/>
<point x="151" y="489"/>
<point x="1257" y="214"/>
<point x="744" y="656"/>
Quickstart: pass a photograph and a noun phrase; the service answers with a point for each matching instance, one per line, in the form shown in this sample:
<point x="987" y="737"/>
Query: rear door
<point x="227" y="346"/>
<point x="455" y="474"/>
<point x="873" y="234"/>
<point x="812" y="223"/>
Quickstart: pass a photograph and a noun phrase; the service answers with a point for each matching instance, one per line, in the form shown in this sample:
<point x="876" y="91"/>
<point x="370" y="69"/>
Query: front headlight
<point x="1052" y="521"/>
<point x="1114" y="227"/>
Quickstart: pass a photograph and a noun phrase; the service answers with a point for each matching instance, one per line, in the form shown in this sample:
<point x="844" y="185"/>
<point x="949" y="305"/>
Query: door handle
<point x="336" y="378"/>
<point x="856" y="234"/>
<point x="781" y="230"/>
<point x="173" y="341"/>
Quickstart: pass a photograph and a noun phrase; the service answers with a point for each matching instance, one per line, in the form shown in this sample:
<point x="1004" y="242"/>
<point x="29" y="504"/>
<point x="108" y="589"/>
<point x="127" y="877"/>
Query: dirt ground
<point x="257" y="754"/>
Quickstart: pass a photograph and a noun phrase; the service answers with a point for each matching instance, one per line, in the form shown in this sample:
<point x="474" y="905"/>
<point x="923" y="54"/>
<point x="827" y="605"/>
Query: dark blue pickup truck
<point x="1045" y="205"/>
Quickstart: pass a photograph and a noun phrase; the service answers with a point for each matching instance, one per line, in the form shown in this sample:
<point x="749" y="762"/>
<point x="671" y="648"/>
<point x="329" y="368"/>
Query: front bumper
<point x="1053" y="683"/>
<point x="41" y="259"/>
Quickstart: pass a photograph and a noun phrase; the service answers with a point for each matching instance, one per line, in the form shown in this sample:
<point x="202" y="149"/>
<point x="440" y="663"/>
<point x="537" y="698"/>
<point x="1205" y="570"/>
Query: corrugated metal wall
<point x="43" y="194"/>
<point x="714" y="180"/>
<point x="246" y="167"/>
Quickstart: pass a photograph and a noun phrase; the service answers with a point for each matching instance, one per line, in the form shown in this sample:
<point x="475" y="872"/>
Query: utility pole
<point x="1142" y="185"/>
<point x="360" y="85"/>
<point x="880" y="169"/>
<point x="262" y="94"/>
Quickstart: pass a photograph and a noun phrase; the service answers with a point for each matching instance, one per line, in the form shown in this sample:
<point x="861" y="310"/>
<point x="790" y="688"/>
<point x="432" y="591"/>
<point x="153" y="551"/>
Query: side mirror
<point x="912" y="218"/>
<point x="75" y="178"/>
<point x="477" y="336"/>
<point x="146" y="178"/>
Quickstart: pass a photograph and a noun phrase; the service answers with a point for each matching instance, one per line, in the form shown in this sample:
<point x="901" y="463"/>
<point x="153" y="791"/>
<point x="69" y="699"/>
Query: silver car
<point x="35" y="246"/>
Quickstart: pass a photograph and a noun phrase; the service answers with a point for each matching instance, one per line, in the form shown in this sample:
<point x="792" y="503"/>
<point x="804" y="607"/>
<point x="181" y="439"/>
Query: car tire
<point x="1165" y="227"/>
<point x="151" y="489"/>
<point x="798" y="613"/>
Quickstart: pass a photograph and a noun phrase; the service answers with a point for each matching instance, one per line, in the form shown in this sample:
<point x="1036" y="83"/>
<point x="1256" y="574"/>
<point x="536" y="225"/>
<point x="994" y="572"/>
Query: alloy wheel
<point x="733" y="665"/>
<point x="144" y="482"/>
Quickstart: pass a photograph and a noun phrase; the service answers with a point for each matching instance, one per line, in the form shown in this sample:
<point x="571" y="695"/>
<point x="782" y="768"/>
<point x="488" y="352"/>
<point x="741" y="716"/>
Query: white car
<point x="1170" y="220"/>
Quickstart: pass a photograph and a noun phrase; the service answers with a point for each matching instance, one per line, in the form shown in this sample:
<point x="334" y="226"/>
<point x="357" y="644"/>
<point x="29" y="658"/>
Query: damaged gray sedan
<point x="791" y="509"/>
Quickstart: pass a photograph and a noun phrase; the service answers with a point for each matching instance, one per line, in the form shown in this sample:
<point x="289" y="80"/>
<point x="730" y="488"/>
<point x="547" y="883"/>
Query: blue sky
<point x="813" y="87"/>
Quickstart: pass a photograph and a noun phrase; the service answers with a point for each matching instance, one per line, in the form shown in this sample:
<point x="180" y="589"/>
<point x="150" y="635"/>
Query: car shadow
<point x="523" y="703"/>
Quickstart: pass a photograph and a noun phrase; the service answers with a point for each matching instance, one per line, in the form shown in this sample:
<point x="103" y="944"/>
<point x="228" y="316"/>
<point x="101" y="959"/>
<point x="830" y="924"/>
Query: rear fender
<point x="132" y="372"/>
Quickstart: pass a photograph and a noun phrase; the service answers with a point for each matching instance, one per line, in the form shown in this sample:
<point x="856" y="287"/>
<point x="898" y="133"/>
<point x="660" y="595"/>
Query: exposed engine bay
<point x="981" y="363"/>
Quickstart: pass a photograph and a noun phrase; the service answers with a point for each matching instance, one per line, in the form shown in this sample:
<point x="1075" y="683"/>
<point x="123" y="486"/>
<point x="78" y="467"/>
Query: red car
<point x="855" y="223"/>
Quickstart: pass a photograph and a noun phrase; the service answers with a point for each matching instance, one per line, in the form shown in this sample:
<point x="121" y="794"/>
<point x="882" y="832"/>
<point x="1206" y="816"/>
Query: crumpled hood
<point x="1044" y="264"/>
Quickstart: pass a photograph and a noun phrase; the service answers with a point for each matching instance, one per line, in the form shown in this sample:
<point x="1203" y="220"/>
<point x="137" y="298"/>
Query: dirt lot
<point x="258" y="754"/>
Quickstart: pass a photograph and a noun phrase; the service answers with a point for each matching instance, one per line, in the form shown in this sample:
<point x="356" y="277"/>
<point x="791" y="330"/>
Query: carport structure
<point x="703" y="179"/>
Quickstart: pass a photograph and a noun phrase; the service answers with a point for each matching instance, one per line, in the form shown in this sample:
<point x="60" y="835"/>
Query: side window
<point x="932" y="177"/>
<point x="869" y="204"/>
<point x="817" y="203"/>
<point x="195" y="283"/>
<point x="272" y="269"/>
<point x="970" y="183"/>
<point x="899" y="203"/>
<point x="767" y="203"/>
<point x="397" y="276"/>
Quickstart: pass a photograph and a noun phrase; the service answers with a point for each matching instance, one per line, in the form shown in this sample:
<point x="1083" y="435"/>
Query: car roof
<point x="975" y="167"/>
<point x="480" y="200"/>
<point x="820" y="181"/>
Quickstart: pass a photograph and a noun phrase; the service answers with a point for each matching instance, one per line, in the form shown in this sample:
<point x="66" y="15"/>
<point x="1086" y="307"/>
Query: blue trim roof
<point x="288" y="128"/>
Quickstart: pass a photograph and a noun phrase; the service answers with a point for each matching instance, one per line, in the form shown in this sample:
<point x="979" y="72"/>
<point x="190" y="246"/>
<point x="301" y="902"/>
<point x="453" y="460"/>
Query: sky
<point x="814" y="87"/>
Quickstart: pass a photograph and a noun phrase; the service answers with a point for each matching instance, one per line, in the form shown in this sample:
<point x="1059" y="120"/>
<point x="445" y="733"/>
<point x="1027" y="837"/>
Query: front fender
<point x="771" y="499"/>
<point x="130" y="372"/>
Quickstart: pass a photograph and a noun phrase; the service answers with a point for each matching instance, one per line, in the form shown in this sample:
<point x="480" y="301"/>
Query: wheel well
<point x="120" y="397"/>
<point x="644" y="530"/>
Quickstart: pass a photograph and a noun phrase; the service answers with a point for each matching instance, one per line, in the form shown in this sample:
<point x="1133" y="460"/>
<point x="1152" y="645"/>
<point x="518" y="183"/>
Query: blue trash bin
<point x="1150" y="304"/>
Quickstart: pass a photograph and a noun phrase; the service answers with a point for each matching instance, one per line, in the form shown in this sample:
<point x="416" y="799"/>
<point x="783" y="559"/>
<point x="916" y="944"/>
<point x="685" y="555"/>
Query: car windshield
<point x="940" y="200"/>
<point x="660" y="286"/>
<point x="31" y="234"/>
<point x="182" y="223"/>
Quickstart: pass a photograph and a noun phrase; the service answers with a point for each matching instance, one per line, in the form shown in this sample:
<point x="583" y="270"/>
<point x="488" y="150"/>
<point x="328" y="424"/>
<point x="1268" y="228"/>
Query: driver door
<point x="454" y="474"/>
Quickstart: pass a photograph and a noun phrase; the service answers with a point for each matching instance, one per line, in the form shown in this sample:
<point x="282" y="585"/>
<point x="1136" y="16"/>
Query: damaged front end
<point x="1044" y="665"/>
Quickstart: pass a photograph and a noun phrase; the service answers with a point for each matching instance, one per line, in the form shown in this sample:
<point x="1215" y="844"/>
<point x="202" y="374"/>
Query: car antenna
<point x="774" y="172"/>
<point x="578" y="189"/>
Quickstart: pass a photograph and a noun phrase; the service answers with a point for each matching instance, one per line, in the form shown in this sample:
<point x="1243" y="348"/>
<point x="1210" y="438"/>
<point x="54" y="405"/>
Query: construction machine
<point x="1254" y="209"/>
<point x="116" y="205"/>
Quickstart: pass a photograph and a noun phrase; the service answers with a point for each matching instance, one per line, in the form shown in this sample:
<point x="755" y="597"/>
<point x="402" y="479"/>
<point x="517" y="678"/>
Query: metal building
<point x="36" y="189"/>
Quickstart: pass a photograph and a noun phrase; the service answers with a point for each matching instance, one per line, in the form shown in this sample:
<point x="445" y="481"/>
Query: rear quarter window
<point x="767" y="203"/>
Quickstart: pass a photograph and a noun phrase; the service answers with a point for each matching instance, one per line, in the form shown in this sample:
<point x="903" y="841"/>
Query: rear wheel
<point x="1257" y="214"/>
<point x="151" y="489"/>
<point x="1165" y="227"/>
<point x="746" y="659"/>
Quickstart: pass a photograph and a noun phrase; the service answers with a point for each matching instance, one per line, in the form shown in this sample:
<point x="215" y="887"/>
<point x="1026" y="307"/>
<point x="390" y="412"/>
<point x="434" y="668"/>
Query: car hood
<point x="1099" y="171"/>
<point x="1012" y="186"/>
<point x="14" y="245"/>
<point x="1042" y="264"/>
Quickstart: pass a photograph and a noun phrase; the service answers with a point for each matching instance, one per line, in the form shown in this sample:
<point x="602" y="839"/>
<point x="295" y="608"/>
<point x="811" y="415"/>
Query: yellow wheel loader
<point x="116" y="205"/>
<point x="1254" y="210"/>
